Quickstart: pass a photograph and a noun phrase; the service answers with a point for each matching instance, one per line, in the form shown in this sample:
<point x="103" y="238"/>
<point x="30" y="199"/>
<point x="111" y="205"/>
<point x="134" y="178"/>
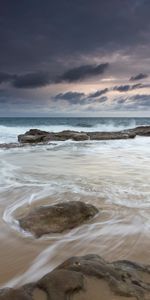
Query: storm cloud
<point x="95" y="49"/>
<point x="5" y="77"/>
<point x="138" y="77"/>
<point x="98" y="93"/>
<point x="31" y="80"/>
<point x="127" y="87"/>
<point x="82" y="73"/>
<point x="41" y="79"/>
<point x="72" y="97"/>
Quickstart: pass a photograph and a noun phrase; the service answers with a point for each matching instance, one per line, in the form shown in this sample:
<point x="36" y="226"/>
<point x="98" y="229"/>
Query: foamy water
<point x="113" y="175"/>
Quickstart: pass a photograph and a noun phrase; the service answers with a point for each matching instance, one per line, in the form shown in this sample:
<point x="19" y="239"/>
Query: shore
<point x="113" y="175"/>
<point x="86" y="277"/>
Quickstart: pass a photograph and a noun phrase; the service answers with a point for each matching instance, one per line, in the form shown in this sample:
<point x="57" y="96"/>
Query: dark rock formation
<point x="111" y="135"/>
<point x="38" y="136"/>
<point x="80" y="277"/>
<point x="68" y="134"/>
<point x="141" y="130"/>
<point x="57" y="218"/>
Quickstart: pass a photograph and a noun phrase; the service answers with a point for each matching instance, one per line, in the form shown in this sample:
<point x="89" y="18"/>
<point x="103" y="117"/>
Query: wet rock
<point x="74" y="135"/>
<point x="16" y="294"/>
<point x="38" y="136"/>
<point x="10" y="145"/>
<point x="86" y="278"/>
<point x="142" y="130"/>
<point x="34" y="136"/>
<point x="57" y="218"/>
<point x="111" y="135"/>
<point x="60" y="284"/>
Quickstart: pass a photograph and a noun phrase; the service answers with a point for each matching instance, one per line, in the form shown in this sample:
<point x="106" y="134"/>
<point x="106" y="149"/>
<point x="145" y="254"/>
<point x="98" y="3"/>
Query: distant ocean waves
<point x="10" y="128"/>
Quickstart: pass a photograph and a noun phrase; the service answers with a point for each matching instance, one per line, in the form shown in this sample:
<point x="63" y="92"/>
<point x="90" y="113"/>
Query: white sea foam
<point x="9" y="133"/>
<point x="113" y="175"/>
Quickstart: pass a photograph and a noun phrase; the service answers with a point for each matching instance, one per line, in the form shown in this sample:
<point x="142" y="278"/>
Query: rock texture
<point x="141" y="130"/>
<point x="80" y="277"/>
<point x="38" y="136"/>
<point x="111" y="135"/>
<point x="57" y="218"/>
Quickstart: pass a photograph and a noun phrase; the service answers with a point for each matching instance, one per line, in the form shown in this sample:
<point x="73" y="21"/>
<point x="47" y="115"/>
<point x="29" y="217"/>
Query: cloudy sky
<point x="75" y="58"/>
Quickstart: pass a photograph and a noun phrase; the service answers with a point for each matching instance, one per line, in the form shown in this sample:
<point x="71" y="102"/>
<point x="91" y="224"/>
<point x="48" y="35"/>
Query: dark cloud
<point x="138" y="77"/>
<point x="72" y="97"/>
<point x="79" y="98"/>
<point x="67" y="39"/>
<point x="32" y="80"/>
<point x="126" y="88"/>
<point x="33" y="33"/>
<point x="98" y="93"/>
<point x="82" y="72"/>
<point x="102" y="99"/>
<point x="41" y="79"/>
<point x="5" y="77"/>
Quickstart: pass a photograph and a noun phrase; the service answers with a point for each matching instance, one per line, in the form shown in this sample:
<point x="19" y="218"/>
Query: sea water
<point x="113" y="175"/>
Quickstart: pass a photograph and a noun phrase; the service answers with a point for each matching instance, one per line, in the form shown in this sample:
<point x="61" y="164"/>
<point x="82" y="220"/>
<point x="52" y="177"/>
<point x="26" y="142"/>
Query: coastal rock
<point x="73" y="135"/>
<point x="35" y="136"/>
<point x="111" y="135"/>
<point x="142" y="130"/>
<point x="86" y="278"/>
<point x="38" y="136"/>
<point x="57" y="218"/>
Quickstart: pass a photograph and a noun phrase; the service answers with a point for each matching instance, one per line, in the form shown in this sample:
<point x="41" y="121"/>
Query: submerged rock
<point x="57" y="218"/>
<point x="86" y="278"/>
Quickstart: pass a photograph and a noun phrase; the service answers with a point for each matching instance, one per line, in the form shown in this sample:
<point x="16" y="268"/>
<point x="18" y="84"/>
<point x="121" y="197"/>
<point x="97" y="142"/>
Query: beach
<point x="112" y="175"/>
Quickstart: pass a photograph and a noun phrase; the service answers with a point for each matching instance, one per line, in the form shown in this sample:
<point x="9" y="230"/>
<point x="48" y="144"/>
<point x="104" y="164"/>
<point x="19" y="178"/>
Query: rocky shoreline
<point x="39" y="137"/>
<point x="83" y="277"/>
<point x="86" y="278"/>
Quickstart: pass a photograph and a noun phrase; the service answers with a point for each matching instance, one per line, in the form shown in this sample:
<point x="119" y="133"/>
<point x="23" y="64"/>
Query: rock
<point x="86" y="278"/>
<point x="57" y="218"/>
<point x="23" y="293"/>
<point x="73" y="135"/>
<point x="35" y="136"/>
<point x="37" y="132"/>
<point x="111" y="135"/>
<point x="142" y="130"/>
<point x="38" y="136"/>
<point x="10" y="145"/>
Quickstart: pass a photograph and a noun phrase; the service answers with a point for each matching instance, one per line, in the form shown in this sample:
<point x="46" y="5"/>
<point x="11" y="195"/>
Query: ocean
<point x="11" y="127"/>
<point x="113" y="175"/>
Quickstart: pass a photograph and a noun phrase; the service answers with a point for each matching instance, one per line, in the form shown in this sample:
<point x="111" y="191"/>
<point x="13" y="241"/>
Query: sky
<point x="74" y="58"/>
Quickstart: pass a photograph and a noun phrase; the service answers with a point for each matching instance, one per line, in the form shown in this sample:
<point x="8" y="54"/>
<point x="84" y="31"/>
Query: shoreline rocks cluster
<point x="35" y="137"/>
<point x="38" y="136"/>
<point x="87" y="277"/>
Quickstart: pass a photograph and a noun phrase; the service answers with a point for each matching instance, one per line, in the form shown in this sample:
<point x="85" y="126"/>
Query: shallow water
<point x="113" y="175"/>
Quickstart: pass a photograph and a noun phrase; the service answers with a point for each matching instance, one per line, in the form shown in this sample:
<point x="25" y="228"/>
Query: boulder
<point x="56" y="218"/>
<point x="86" y="278"/>
<point x="29" y="139"/>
